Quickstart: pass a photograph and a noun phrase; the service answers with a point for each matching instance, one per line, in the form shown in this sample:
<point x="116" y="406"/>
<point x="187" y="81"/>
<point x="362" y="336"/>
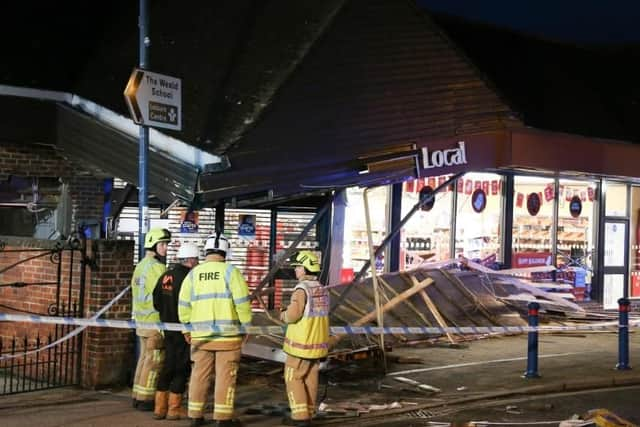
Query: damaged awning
<point x="101" y="139"/>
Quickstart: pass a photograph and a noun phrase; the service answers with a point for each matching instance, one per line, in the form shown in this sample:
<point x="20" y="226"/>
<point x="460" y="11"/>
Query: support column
<point x="108" y="353"/>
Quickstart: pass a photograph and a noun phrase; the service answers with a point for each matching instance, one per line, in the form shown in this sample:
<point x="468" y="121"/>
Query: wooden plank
<point x="388" y="306"/>
<point x="434" y="310"/>
<point x="408" y="303"/>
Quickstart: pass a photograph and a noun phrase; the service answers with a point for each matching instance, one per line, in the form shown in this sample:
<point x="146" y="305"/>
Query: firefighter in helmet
<point x="307" y="338"/>
<point x="145" y="277"/>
<point x="214" y="293"/>
<point x="174" y="374"/>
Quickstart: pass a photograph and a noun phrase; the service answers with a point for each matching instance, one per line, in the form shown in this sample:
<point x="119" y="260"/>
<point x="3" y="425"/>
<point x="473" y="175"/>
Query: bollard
<point x="623" y="334"/>
<point x="532" y="352"/>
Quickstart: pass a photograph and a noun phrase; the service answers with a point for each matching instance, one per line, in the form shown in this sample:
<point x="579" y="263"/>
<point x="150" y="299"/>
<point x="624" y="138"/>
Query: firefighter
<point x="307" y="338"/>
<point x="144" y="280"/>
<point x="175" y="371"/>
<point x="214" y="293"/>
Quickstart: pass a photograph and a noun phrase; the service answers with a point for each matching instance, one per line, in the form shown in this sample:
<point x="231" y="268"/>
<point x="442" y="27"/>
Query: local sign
<point x="440" y="158"/>
<point x="154" y="99"/>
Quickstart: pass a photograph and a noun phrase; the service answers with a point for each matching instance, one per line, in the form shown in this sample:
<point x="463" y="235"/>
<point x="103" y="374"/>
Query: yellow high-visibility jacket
<point x="308" y="337"/>
<point x="215" y="293"/>
<point x="143" y="282"/>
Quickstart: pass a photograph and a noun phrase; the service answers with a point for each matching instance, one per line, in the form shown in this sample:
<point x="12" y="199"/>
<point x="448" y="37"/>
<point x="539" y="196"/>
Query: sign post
<point x="153" y="100"/>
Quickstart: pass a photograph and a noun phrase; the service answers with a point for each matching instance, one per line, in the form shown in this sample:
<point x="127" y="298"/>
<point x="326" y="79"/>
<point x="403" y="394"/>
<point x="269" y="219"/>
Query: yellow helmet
<point x="156" y="235"/>
<point x="308" y="260"/>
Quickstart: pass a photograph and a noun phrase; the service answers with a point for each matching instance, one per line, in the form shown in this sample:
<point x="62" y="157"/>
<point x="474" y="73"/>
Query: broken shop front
<point x="524" y="199"/>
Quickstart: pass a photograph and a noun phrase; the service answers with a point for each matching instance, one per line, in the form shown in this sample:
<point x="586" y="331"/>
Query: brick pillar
<point x="108" y="353"/>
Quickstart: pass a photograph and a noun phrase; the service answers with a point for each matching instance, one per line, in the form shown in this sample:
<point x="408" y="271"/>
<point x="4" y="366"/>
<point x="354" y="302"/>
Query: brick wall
<point x="108" y="353"/>
<point x="87" y="198"/>
<point x="32" y="160"/>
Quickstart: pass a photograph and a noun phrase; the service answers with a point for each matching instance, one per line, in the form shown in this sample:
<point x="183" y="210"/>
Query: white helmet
<point x="188" y="250"/>
<point x="216" y="243"/>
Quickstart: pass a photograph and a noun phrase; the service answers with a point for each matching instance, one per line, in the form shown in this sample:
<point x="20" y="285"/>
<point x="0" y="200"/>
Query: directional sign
<point x="154" y="99"/>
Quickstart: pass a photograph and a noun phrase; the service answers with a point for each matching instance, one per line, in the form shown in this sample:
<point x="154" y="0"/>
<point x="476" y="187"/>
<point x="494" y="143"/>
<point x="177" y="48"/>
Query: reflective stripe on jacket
<point x="308" y="338"/>
<point x="215" y="293"/>
<point x="143" y="282"/>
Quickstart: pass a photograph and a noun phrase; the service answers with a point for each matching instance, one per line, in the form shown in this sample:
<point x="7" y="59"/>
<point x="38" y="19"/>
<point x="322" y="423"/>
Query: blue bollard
<point x="623" y="334"/>
<point x="532" y="352"/>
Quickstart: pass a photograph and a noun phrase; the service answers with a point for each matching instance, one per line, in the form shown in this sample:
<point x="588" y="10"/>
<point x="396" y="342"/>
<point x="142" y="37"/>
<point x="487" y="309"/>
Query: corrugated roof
<point x="93" y="143"/>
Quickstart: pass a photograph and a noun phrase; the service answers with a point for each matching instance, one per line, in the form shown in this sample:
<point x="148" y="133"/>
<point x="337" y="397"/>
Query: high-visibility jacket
<point x="308" y="338"/>
<point x="143" y="282"/>
<point x="215" y="293"/>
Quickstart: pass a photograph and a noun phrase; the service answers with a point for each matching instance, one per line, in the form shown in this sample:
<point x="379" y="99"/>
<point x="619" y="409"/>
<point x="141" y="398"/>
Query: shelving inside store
<point x="531" y="234"/>
<point x="573" y="233"/>
<point x="360" y="243"/>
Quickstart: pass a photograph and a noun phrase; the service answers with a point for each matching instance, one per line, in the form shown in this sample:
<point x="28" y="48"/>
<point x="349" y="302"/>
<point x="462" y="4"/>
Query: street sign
<point x="154" y="99"/>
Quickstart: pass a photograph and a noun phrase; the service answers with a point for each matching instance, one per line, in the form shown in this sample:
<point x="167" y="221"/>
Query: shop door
<point x="615" y="261"/>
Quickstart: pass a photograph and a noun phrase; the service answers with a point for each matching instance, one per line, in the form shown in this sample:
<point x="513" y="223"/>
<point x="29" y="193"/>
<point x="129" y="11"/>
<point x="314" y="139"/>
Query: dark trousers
<point x="177" y="363"/>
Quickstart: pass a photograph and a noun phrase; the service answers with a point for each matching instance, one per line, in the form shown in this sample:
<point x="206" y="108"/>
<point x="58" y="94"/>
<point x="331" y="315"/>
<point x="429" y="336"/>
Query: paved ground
<point x="482" y="373"/>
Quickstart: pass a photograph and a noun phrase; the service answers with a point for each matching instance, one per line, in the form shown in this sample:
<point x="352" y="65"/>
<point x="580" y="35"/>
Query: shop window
<point x="634" y="245"/>
<point x="577" y="222"/>
<point x="616" y="199"/>
<point x="426" y="236"/>
<point x="478" y="217"/>
<point x="356" y="246"/>
<point x="532" y="221"/>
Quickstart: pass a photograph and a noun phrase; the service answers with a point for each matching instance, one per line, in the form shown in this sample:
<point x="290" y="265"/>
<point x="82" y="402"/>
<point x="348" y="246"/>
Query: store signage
<point x="531" y="259"/>
<point x="247" y="227"/>
<point x="478" y="200"/>
<point x="533" y="204"/>
<point x="427" y="198"/>
<point x="440" y="158"/>
<point x="575" y="206"/>
<point x="189" y="222"/>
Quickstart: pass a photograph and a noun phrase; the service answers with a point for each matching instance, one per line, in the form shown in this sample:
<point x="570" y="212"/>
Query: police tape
<point x="68" y="335"/>
<point x="334" y="330"/>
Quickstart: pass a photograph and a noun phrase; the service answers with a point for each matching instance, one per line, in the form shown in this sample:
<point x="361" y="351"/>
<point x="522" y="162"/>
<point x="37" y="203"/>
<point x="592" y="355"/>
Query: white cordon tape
<point x="335" y="330"/>
<point x="70" y="334"/>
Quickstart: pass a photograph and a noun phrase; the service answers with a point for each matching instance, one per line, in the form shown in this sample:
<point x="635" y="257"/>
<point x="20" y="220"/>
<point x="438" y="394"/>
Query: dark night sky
<point x="582" y="21"/>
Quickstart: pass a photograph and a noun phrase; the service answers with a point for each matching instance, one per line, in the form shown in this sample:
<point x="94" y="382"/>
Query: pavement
<point x="360" y="393"/>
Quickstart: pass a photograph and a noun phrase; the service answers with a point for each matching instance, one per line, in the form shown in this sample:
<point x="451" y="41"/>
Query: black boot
<point x="134" y="403"/>
<point x="228" y="423"/>
<point x="145" y="405"/>
<point x="196" y="422"/>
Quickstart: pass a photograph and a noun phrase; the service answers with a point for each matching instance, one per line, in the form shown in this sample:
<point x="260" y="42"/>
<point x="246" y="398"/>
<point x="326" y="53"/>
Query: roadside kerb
<point x="630" y="378"/>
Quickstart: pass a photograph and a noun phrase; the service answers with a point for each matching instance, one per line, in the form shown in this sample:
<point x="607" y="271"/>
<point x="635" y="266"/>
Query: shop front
<point x="514" y="207"/>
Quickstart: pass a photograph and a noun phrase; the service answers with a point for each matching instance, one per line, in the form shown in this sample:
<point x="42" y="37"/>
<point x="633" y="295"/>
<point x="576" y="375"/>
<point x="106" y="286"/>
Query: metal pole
<point x="532" y="349"/>
<point x="374" y="273"/>
<point x="290" y="250"/>
<point x="623" y="335"/>
<point x="143" y="209"/>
